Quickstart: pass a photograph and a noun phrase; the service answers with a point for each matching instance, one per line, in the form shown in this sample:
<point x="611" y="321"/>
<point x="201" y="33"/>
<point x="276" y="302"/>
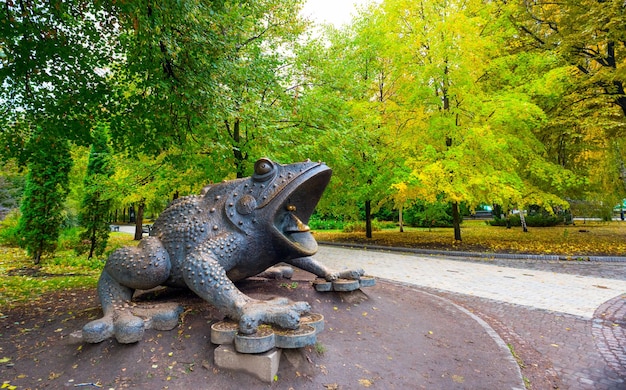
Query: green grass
<point x="22" y="281"/>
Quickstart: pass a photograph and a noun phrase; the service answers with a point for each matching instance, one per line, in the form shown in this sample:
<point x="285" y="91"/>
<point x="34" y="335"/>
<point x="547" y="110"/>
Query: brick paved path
<point x="572" y="313"/>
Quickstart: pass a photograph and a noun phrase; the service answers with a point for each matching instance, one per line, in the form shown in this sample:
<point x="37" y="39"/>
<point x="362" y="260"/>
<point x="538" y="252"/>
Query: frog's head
<point x="280" y="199"/>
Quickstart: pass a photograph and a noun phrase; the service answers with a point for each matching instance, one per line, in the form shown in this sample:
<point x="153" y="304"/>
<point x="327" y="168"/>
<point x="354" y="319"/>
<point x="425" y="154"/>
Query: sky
<point x="337" y="12"/>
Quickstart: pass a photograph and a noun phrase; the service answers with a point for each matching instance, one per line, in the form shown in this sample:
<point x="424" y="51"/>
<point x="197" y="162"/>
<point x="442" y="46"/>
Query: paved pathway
<point x="560" y="292"/>
<point x="571" y="313"/>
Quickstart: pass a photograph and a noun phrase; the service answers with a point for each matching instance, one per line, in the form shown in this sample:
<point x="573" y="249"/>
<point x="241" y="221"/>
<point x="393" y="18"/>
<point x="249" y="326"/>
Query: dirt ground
<point x="385" y="337"/>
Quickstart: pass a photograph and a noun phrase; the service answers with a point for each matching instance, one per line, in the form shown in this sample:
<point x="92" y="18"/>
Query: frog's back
<point x="189" y="221"/>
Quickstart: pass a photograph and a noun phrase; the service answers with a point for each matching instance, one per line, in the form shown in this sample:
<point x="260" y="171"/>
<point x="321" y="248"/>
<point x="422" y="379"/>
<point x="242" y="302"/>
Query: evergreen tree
<point x="95" y="205"/>
<point x="45" y="191"/>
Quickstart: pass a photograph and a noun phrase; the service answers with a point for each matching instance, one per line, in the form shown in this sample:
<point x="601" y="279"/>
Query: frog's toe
<point x="98" y="330"/>
<point x="289" y="319"/>
<point x="248" y="324"/>
<point x="167" y="319"/>
<point x="352" y="274"/>
<point x="128" y="328"/>
<point x="302" y="307"/>
<point x="287" y="316"/>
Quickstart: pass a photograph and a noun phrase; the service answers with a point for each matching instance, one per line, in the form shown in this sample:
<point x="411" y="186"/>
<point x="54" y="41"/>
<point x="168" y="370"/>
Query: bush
<point x="9" y="229"/>
<point x="318" y="223"/>
<point x="359" y="226"/>
<point x="423" y="214"/>
<point x="69" y="239"/>
<point x="536" y="220"/>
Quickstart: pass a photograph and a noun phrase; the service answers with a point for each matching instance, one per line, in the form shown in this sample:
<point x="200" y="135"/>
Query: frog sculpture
<point x="231" y="231"/>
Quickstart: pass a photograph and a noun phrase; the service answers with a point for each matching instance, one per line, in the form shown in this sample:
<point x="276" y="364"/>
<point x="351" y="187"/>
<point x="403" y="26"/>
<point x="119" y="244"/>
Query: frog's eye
<point x="263" y="169"/>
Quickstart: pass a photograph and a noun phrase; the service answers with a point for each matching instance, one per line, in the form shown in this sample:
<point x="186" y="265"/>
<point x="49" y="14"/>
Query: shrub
<point x="422" y="214"/>
<point x="47" y="185"/>
<point x="359" y="226"/>
<point x="95" y="206"/>
<point x="536" y="220"/>
<point x="318" y="223"/>
<point x="9" y="229"/>
<point x="69" y="239"/>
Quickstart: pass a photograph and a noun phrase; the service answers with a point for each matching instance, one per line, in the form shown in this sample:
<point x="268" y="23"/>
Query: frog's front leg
<point x="206" y="277"/>
<point x="143" y="267"/>
<point x="315" y="267"/>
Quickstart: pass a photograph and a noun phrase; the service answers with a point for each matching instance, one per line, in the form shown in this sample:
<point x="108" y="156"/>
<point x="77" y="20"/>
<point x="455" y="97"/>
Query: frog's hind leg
<point x="143" y="267"/>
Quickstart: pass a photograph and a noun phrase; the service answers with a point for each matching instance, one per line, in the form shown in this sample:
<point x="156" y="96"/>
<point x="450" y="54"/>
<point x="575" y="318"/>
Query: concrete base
<point x="263" y="365"/>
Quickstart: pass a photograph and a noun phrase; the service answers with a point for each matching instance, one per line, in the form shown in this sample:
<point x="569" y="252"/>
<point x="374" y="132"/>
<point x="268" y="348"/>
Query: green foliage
<point x="44" y="194"/>
<point x="359" y="226"/>
<point x="318" y="222"/>
<point x="531" y="221"/>
<point x="95" y="205"/>
<point x="11" y="186"/>
<point x="426" y="214"/>
<point x="536" y="217"/>
<point x="69" y="239"/>
<point x="52" y="56"/>
<point x="9" y="229"/>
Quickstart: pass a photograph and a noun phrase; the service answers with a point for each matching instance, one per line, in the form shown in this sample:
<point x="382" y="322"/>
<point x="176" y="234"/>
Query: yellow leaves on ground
<point x="583" y="239"/>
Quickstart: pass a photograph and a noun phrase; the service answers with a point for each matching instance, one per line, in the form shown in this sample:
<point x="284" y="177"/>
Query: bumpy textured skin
<point x="231" y="231"/>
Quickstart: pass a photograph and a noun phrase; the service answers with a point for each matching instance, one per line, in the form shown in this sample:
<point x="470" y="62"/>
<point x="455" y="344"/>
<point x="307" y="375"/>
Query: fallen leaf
<point x="458" y="378"/>
<point x="365" y="382"/>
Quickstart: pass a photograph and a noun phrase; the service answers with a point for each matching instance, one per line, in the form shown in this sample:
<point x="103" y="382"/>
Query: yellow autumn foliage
<point x="582" y="239"/>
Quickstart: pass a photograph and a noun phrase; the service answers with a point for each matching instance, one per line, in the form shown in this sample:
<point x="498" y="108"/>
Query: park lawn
<point x="574" y="241"/>
<point x="21" y="280"/>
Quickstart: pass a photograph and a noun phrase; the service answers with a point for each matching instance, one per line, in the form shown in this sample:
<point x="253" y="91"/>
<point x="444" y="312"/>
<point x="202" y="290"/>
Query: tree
<point x="206" y="78"/>
<point x="44" y="194"/>
<point x="586" y="121"/>
<point x="51" y="59"/>
<point x="468" y="134"/>
<point x="346" y="88"/>
<point x="95" y="206"/>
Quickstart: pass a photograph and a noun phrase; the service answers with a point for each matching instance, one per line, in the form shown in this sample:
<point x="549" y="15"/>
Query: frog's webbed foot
<point x="127" y="322"/>
<point x="119" y="322"/>
<point x="278" y="311"/>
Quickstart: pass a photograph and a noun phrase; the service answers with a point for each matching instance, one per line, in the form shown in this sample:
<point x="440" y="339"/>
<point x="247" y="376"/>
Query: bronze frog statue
<point x="231" y="231"/>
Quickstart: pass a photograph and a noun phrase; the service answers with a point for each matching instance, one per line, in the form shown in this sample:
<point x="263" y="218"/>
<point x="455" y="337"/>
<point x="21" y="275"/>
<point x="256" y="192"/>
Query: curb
<point x="488" y="255"/>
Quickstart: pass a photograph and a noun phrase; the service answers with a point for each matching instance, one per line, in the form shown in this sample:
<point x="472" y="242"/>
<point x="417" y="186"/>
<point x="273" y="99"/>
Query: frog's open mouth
<point x="296" y="202"/>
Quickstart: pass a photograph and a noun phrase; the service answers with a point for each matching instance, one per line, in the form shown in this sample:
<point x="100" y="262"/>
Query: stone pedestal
<point x="262" y="365"/>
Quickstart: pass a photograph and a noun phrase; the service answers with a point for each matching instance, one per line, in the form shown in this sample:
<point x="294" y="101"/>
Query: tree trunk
<point x="368" y="218"/>
<point x="37" y="257"/>
<point x="456" y="221"/>
<point x="139" y="221"/>
<point x="523" y="221"/>
<point x="92" y="247"/>
<point x="240" y="156"/>
<point x="401" y="222"/>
